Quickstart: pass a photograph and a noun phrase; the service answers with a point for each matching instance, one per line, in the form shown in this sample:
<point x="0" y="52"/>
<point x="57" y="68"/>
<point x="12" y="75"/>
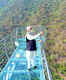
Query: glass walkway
<point x="16" y="68"/>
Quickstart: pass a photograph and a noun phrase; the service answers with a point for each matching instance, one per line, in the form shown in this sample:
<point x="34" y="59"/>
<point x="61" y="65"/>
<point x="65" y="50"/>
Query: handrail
<point x="5" y="49"/>
<point x="48" y="71"/>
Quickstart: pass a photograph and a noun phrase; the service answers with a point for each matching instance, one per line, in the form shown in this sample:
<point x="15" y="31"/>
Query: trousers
<point x="30" y="55"/>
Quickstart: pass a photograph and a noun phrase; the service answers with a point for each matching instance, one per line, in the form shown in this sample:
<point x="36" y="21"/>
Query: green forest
<point x="48" y="13"/>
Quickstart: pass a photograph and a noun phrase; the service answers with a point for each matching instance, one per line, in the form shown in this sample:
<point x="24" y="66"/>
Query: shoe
<point x="29" y="69"/>
<point x="35" y="67"/>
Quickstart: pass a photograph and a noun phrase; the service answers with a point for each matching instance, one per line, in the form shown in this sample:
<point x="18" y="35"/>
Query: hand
<point x="16" y="43"/>
<point x="42" y="33"/>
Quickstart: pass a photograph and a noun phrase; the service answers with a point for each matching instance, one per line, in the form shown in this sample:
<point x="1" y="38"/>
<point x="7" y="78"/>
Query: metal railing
<point x="47" y="71"/>
<point x="6" y="49"/>
<point x="7" y="45"/>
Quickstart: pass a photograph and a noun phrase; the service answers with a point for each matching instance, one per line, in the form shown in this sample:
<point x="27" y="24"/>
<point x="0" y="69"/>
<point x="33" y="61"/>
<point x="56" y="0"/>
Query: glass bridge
<point x="16" y="67"/>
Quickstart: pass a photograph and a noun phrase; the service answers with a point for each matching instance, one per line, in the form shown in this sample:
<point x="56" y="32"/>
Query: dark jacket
<point x="31" y="44"/>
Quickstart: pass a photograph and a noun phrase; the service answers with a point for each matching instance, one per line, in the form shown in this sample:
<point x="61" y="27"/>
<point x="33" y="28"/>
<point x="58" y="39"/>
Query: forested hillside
<point x="48" y="13"/>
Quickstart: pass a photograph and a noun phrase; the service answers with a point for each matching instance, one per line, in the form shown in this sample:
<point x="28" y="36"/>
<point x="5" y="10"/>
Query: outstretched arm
<point x="30" y="37"/>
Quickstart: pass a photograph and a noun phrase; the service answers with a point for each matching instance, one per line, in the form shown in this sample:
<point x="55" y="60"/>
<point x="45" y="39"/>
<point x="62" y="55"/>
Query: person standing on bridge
<point x="31" y="49"/>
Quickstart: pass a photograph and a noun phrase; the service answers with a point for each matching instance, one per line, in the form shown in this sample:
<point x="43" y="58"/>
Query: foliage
<point x="52" y="15"/>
